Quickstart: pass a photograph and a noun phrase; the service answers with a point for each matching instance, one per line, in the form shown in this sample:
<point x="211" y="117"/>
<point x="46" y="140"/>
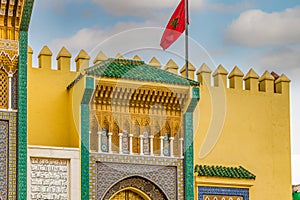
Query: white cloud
<point x="258" y="28"/>
<point x="142" y="8"/>
<point x="89" y="38"/>
<point x="84" y="38"/>
<point x="123" y="37"/>
<point x="129" y="38"/>
<point x="285" y="57"/>
<point x="57" y="4"/>
<point x="136" y="8"/>
<point x="230" y="8"/>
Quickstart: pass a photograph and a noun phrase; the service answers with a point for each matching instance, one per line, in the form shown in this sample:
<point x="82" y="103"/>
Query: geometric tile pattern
<point x="3" y="89"/>
<point x="22" y="116"/>
<point x="108" y="169"/>
<point x="221" y="197"/>
<point x="110" y="174"/>
<point x="189" y="145"/>
<point x="3" y="158"/>
<point x="14" y="92"/>
<point x="22" y="100"/>
<point x="85" y="128"/>
<point x="205" y="193"/>
<point x="189" y="156"/>
<point x="26" y="15"/>
<point x="104" y="140"/>
<point x="8" y="160"/>
<point x="84" y="152"/>
<point x="166" y="145"/>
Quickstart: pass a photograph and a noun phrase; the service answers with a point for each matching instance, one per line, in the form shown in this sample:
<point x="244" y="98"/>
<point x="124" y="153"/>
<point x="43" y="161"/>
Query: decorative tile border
<point x="22" y="101"/>
<point x="85" y="127"/>
<point x="203" y="190"/>
<point x="9" y="45"/>
<point x="189" y="145"/>
<point x="189" y="156"/>
<point x="11" y="118"/>
<point x="22" y="117"/>
<point x="4" y="131"/>
<point x="26" y="15"/>
<point x="15" y="91"/>
<point x="144" y="162"/>
<point x="221" y="197"/>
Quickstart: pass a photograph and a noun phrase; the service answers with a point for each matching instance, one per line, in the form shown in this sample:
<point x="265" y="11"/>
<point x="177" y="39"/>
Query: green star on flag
<point x="174" y="23"/>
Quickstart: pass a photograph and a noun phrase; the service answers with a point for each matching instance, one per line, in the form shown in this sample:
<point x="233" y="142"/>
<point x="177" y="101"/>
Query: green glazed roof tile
<point x="136" y="70"/>
<point x="221" y="171"/>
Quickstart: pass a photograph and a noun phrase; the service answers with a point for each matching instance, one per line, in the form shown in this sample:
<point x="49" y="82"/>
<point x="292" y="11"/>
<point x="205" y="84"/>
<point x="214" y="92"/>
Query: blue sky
<point x="263" y="34"/>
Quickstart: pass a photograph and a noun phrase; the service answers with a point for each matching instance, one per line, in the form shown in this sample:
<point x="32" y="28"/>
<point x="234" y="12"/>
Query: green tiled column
<point x="85" y="127"/>
<point x="22" y="117"/>
<point x="22" y="102"/>
<point x="189" y="146"/>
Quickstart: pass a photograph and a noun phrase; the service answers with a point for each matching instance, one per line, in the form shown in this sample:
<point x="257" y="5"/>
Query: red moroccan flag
<point x="175" y="27"/>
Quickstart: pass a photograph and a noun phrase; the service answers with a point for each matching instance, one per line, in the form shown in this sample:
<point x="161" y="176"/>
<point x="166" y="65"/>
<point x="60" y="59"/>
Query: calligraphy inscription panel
<point x="49" y="179"/>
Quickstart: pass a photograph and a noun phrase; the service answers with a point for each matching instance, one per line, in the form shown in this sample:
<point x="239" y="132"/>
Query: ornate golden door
<point x="130" y="194"/>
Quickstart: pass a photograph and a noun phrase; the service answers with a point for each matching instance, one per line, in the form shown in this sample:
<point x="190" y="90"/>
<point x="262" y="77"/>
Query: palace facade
<point x="122" y="128"/>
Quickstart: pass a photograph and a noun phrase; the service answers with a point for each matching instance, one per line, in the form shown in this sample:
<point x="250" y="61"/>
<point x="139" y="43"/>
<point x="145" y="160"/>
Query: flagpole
<point x="186" y="38"/>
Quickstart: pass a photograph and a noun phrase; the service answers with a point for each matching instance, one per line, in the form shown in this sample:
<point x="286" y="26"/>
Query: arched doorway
<point x="136" y="187"/>
<point x="130" y="193"/>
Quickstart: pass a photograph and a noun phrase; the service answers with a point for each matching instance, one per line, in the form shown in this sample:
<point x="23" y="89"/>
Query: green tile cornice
<point x="136" y="70"/>
<point x="225" y="172"/>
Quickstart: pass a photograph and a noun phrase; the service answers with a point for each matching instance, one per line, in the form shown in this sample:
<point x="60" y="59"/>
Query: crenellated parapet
<point x="63" y="59"/>
<point x="235" y="80"/>
<point x="266" y="83"/>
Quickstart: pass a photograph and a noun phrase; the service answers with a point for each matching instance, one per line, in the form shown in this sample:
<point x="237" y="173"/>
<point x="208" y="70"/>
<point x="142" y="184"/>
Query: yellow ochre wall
<point x="236" y="125"/>
<point x="256" y="129"/>
<point x="51" y="108"/>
